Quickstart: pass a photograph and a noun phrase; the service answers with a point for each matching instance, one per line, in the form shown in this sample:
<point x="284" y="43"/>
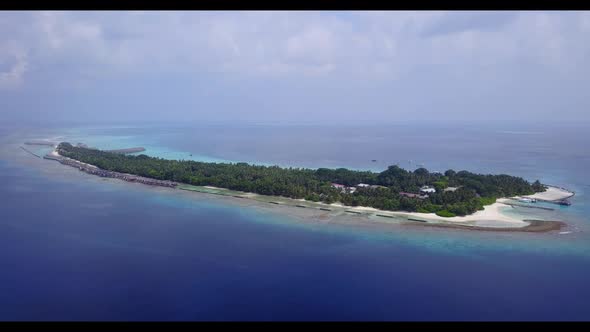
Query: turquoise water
<point x="516" y="152"/>
<point x="80" y="247"/>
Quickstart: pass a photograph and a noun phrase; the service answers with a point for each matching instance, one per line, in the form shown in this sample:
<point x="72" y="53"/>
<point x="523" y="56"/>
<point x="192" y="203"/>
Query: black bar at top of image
<point x="294" y="5"/>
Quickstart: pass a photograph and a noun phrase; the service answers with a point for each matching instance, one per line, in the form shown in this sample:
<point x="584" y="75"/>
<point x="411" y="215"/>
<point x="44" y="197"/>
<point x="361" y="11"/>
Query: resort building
<point x="427" y="190"/>
<point x="363" y="185"/>
<point x="342" y="187"/>
<point x="412" y="195"/>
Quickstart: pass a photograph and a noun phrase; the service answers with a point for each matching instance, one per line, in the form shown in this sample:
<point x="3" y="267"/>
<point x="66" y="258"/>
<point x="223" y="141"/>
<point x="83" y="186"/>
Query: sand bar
<point x="553" y="194"/>
<point x="492" y="216"/>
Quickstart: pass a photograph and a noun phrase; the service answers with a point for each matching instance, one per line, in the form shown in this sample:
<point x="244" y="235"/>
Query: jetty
<point x="528" y="206"/>
<point x="563" y="201"/>
<point x="28" y="151"/>
<point x="553" y="195"/>
<point x="46" y="143"/>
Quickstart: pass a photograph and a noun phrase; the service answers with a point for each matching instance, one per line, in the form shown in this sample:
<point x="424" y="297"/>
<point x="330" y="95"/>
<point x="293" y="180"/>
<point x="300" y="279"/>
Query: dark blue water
<point x="79" y="248"/>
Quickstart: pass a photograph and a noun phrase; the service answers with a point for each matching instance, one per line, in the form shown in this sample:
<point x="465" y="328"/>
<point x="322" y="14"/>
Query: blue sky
<point x="284" y="67"/>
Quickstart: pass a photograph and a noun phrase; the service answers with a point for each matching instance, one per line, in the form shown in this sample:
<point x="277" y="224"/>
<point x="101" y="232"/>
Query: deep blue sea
<point x="77" y="247"/>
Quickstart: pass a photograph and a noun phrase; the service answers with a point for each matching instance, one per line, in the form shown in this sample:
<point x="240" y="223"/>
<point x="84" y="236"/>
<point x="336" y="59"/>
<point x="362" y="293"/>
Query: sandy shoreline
<point x="491" y="218"/>
<point x="491" y="212"/>
<point x="552" y="194"/>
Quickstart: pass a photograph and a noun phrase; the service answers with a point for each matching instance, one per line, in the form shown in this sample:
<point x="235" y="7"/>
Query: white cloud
<point x="371" y="44"/>
<point x="13" y="77"/>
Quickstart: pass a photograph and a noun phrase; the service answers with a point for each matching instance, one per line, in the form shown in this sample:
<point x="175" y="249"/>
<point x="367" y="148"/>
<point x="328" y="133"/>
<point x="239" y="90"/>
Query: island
<point x="418" y="194"/>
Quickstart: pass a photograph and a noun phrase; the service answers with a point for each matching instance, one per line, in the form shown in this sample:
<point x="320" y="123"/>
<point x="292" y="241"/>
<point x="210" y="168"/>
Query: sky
<point x="295" y="67"/>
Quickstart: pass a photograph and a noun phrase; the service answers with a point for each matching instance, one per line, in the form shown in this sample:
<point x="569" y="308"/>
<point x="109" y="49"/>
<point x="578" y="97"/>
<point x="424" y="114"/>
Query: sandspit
<point x="552" y="194"/>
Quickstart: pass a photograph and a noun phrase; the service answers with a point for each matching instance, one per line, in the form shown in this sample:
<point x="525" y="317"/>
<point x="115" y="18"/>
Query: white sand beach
<point x="56" y="154"/>
<point x="491" y="213"/>
<point x="552" y="194"/>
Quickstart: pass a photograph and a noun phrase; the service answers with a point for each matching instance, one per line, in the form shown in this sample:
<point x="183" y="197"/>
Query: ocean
<point x="78" y="247"/>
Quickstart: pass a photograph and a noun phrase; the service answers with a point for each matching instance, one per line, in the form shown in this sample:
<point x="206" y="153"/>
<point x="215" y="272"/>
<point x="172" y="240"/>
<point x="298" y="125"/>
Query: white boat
<point x="527" y="200"/>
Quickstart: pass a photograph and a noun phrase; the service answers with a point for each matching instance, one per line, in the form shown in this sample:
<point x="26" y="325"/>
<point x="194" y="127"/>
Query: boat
<point x="374" y="160"/>
<point x="527" y="200"/>
<point x="564" y="202"/>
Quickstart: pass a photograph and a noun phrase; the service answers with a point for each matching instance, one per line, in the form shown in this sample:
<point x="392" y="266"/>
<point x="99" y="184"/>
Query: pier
<point x="34" y="154"/>
<point x="41" y="143"/>
<point x="554" y="195"/>
<point x="529" y="206"/>
<point x="563" y="201"/>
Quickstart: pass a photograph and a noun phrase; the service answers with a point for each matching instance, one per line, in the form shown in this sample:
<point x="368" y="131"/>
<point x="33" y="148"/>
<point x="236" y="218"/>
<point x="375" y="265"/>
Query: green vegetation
<point x="445" y="213"/>
<point x="538" y="187"/>
<point x="475" y="190"/>
<point x="487" y="200"/>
